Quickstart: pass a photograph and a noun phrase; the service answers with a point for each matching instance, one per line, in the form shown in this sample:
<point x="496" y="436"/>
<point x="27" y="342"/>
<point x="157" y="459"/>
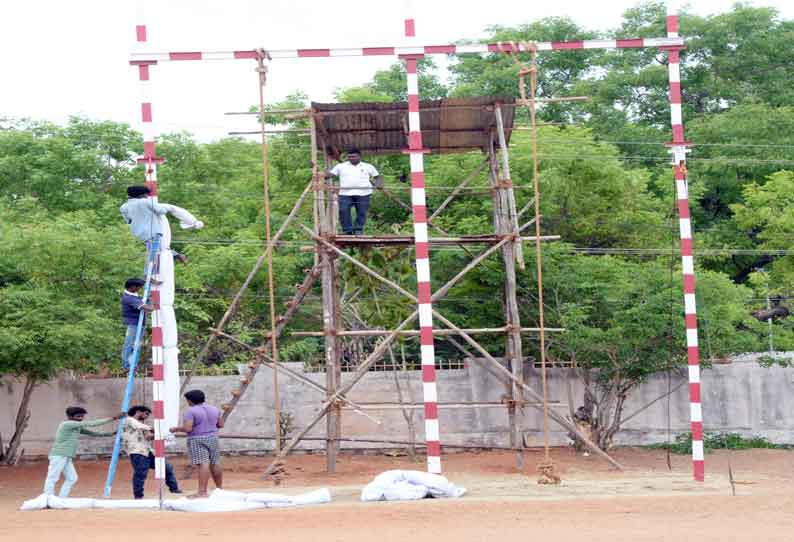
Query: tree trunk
<point x="23" y="417"/>
<point x="601" y="415"/>
<point x="407" y="413"/>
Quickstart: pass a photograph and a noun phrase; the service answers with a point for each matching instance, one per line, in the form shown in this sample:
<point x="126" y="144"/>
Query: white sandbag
<point x="437" y="485"/>
<point x="57" y="503"/>
<point x="132" y="504"/>
<point x="166" y="275"/>
<point x="219" y="501"/>
<point x="70" y="503"/>
<point x="273" y="500"/>
<point x="211" y="505"/>
<point x="403" y="485"/>
<point x="320" y="496"/>
<point x="39" y="503"/>
<point x="226" y="495"/>
<point x="403" y="491"/>
<point x="171" y="384"/>
<point x="165" y="227"/>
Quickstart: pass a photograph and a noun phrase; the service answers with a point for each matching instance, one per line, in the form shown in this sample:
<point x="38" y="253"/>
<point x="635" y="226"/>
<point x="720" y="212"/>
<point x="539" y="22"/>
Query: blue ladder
<point x="149" y="270"/>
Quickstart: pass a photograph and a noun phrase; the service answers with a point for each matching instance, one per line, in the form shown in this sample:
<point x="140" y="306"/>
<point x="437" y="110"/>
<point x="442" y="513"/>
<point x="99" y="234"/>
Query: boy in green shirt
<point x="65" y="448"/>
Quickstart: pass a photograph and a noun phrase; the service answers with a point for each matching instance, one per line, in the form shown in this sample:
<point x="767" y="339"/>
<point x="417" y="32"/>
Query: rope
<point x="546" y="469"/>
<point x="261" y="70"/>
<point x="673" y="239"/>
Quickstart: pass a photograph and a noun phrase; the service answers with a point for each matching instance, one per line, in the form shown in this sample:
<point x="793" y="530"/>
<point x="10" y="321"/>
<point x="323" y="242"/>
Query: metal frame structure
<point x="507" y="240"/>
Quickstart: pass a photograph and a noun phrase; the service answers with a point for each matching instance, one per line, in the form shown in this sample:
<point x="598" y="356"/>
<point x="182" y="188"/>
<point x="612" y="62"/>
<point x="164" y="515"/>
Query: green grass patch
<point x="719" y="441"/>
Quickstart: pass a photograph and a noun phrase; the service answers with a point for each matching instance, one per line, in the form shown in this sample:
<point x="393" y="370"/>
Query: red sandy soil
<point x="594" y="503"/>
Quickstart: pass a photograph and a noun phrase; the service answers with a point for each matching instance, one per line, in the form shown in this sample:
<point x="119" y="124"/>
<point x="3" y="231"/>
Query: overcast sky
<point x="62" y="58"/>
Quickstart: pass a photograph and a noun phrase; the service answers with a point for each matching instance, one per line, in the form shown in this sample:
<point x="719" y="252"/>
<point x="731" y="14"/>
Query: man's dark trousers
<point x="141" y="464"/>
<point x="346" y="204"/>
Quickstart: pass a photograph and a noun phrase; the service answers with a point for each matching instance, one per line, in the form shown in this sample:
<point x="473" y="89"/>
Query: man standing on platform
<point x="355" y="190"/>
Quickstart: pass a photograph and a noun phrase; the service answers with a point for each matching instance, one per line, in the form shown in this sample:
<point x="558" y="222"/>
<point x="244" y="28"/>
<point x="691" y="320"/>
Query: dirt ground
<point x="594" y="503"/>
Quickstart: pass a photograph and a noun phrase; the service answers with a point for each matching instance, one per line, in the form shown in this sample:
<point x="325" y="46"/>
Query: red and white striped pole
<point x="150" y="161"/>
<point x="679" y="150"/>
<point x="416" y="152"/>
<point x="402" y="50"/>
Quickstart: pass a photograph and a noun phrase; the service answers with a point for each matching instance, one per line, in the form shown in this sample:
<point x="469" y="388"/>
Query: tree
<point x="66" y="168"/>
<point x="624" y="322"/>
<point x="767" y="218"/>
<point x="45" y="332"/>
<point x="497" y="74"/>
<point x="391" y="85"/>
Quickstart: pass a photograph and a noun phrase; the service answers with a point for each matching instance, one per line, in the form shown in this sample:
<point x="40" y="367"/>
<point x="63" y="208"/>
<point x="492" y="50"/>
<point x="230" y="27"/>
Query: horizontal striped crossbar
<point x="504" y="47"/>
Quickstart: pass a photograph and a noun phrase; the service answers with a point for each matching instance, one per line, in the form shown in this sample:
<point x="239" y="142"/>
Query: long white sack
<point x="409" y="485"/>
<point x="219" y="501"/>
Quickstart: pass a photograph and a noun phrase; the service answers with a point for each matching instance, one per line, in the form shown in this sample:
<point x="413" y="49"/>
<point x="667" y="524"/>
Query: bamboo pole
<point x="263" y="359"/>
<point x="315" y="181"/>
<point x="407" y="207"/>
<point x="262" y="77"/>
<point x="307" y="112"/>
<point x="459" y="405"/>
<point x="439" y="293"/>
<point x="513" y="350"/>
<point x="415" y="332"/>
<point x="525" y="208"/>
<point x="509" y="194"/>
<point x="471" y="176"/>
<point x="373" y="441"/>
<point x="331" y="320"/>
<point x="408" y="240"/>
<point x="292" y="309"/>
<point x="528" y="224"/>
<point x="538" y="397"/>
<point x="539" y="257"/>
<point x="236" y="300"/>
<point x="376" y="354"/>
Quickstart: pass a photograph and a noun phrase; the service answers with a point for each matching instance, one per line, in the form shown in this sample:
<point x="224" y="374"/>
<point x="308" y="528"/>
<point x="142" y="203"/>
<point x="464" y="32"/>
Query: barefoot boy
<point x="65" y="448"/>
<point x="201" y="423"/>
<point x="138" y="439"/>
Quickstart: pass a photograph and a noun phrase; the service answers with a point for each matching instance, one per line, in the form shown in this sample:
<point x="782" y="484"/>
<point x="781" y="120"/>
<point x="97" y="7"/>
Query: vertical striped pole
<point x="416" y="153"/>
<point x="679" y="150"/>
<point x="150" y="161"/>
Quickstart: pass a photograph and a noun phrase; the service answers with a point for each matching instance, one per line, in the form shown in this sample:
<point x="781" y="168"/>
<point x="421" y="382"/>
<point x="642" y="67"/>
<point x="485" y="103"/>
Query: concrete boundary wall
<point x="740" y="397"/>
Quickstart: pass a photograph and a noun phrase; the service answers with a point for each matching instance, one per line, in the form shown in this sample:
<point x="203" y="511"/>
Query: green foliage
<point x="45" y="332"/>
<point x="306" y="350"/>
<point x="606" y="185"/>
<point x="623" y="318"/>
<point x="497" y="74"/>
<point x="767" y="217"/>
<point x="719" y="441"/>
<point x="391" y="85"/>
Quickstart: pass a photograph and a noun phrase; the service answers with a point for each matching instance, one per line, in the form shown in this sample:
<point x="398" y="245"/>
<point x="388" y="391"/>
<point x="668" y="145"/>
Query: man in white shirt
<point x="355" y="189"/>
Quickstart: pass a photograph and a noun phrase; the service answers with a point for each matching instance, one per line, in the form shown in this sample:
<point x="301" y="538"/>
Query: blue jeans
<point x="346" y="204"/>
<point x="129" y="345"/>
<point x="60" y="465"/>
<point x="141" y="465"/>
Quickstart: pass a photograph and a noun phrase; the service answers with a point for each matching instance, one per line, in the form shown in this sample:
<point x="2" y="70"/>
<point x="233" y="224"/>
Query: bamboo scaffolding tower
<point x="330" y="252"/>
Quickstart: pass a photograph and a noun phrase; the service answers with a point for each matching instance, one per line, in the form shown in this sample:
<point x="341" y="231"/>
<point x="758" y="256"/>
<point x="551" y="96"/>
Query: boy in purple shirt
<point x="201" y="423"/>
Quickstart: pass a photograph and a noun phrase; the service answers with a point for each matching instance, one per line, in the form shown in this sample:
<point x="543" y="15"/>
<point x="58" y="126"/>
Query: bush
<point x="719" y="441"/>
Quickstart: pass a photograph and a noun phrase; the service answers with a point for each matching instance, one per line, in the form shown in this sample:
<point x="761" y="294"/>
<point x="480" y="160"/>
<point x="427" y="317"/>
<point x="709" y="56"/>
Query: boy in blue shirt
<point x="131" y="307"/>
